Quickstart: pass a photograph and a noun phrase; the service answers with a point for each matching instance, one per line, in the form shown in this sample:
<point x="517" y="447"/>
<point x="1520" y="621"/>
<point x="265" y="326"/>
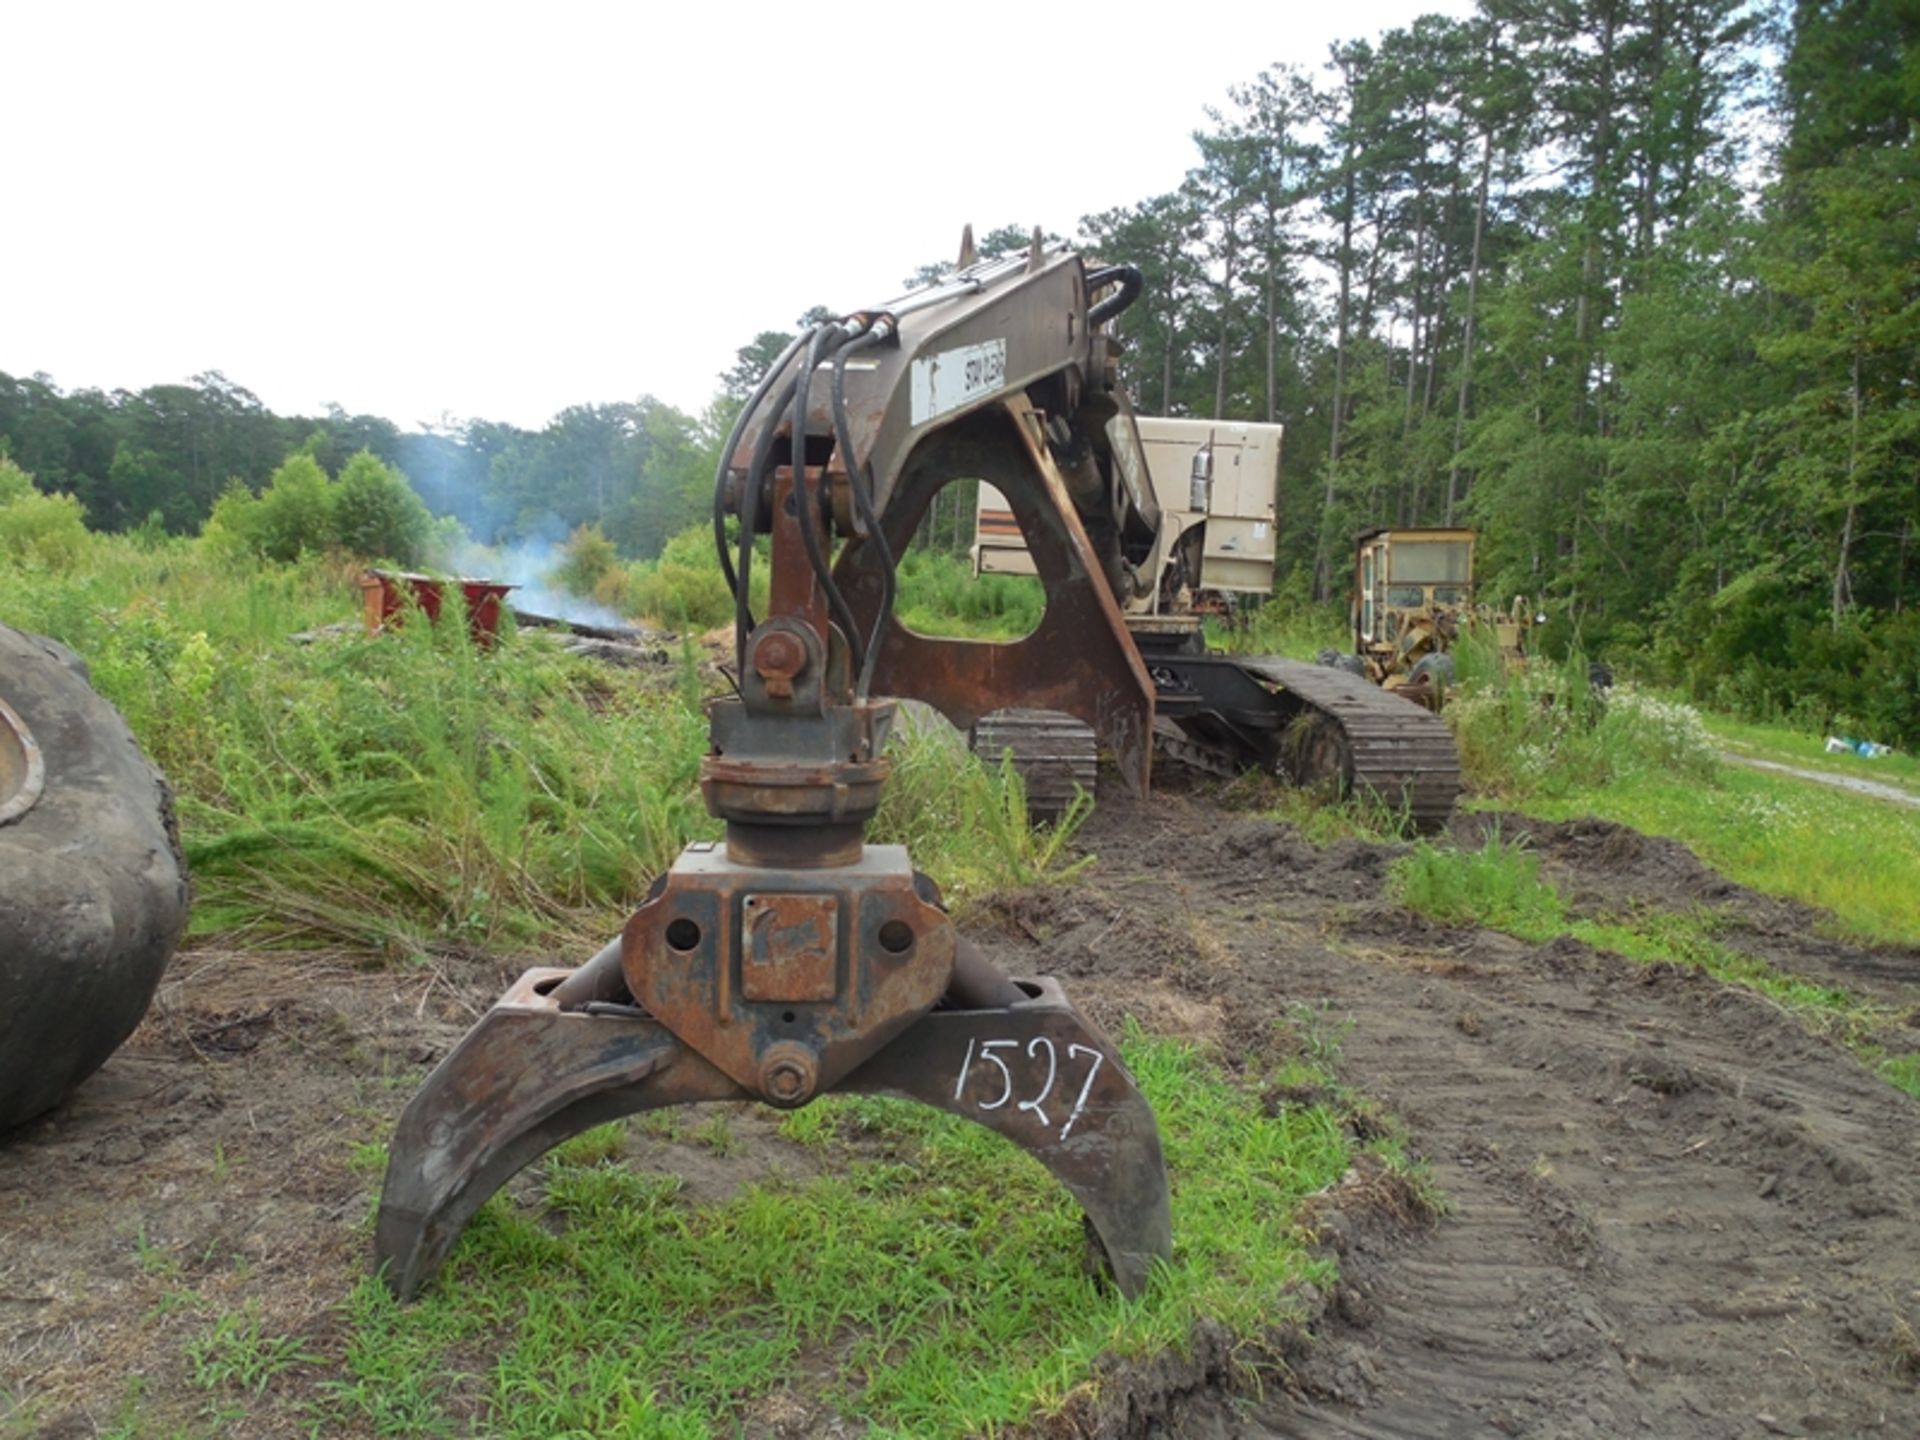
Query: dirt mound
<point x="1658" y="1185"/>
<point x="1610" y="869"/>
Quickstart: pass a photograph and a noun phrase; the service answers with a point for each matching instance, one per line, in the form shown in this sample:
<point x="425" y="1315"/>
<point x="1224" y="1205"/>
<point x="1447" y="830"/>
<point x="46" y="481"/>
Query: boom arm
<point x="1002" y="373"/>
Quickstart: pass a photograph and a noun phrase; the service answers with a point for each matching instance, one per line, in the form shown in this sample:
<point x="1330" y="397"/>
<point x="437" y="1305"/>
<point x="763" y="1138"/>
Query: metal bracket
<point x="530" y="1075"/>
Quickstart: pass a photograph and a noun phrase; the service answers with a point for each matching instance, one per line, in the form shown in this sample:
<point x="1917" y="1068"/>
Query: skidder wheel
<point x="1315" y="754"/>
<point x="95" y="891"/>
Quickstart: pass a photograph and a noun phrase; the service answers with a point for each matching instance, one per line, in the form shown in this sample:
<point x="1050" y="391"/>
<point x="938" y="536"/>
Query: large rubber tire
<point x="1435" y="668"/>
<point x="1339" y="660"/>
<point x="93" y="887"/>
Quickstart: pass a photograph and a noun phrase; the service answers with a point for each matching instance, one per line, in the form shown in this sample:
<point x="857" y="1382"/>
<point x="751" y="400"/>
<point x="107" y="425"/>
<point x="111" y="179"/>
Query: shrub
<point x="684" y="587"/>
<point x="48" y="531"/>
<point x="295" y="513"/>
<point x="585" y="561"/>
<point x="376" y="515"/>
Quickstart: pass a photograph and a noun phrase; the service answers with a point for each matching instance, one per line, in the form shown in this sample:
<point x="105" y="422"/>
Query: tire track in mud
<point x="1673" y="1211"/>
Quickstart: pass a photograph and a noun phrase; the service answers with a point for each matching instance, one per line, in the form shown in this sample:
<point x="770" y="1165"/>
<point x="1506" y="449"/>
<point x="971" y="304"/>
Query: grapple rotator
<point x="793" y="959"/>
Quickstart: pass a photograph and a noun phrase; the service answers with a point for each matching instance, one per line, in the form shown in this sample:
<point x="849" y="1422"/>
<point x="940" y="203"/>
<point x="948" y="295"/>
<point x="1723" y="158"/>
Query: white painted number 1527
<point x="997" y="1052"/>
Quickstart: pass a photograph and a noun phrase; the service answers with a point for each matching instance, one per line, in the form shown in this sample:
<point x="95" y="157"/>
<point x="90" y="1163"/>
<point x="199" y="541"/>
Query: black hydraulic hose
<point x="749" y="517"/>
<point x="862" y="488"/>
<point x="1131" y="283"/>
<point x="726" y="461"/>
<point x="824" y="341"/>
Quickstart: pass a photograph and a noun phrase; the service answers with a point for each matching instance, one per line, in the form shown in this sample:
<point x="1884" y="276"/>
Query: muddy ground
<point x="1672" y="1211"/>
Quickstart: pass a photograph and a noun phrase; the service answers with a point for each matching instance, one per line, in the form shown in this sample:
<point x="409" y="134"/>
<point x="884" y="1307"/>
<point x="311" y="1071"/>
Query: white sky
<point x="500" y="210"/>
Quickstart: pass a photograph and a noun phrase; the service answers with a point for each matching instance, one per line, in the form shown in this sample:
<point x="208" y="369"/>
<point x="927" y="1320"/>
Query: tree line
<point x="167" y="454"/>
<point x="1630" y="286"/>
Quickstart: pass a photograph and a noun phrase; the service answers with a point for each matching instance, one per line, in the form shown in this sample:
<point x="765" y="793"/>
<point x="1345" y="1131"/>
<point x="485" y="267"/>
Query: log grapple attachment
<point x="793" y="959"/>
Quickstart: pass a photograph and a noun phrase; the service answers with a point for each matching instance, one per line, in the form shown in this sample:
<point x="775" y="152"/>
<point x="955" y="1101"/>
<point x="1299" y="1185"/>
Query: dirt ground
<point x="1671" y="1210"/>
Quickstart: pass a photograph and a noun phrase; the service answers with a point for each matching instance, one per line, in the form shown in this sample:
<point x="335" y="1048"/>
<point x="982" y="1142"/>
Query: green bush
<point x="376" y="515"/>
<point x="295" y="515"/>
<point x="47" y="531"/>
<point x="585" y="561"/>
<point x="684" y="588"/>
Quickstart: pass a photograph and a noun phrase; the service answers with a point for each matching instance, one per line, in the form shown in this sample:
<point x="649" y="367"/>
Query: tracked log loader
<point x="793" y="958"/>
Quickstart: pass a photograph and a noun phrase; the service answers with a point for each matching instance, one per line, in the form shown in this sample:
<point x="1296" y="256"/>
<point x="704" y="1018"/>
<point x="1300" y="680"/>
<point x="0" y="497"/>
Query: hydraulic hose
<point x="749" y="517"/>
<point x="740" y="424"/>
<point x="824" y="341"/>
<point x="1131" y="283"/>
<point x="862" y="488"/>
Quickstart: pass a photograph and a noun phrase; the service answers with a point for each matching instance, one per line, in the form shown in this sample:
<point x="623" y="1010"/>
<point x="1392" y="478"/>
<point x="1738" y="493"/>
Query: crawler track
<point x="1056" y="755"/>
<point x="1393" y="748"/>
<point x="1224" y="714"/>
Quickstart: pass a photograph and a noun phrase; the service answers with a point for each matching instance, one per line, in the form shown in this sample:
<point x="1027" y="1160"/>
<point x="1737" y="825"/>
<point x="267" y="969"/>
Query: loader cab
<point x="1411" y="589"/>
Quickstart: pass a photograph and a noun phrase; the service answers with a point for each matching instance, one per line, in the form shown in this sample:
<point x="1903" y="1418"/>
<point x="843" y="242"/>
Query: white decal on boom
<point x="938" y="384"/>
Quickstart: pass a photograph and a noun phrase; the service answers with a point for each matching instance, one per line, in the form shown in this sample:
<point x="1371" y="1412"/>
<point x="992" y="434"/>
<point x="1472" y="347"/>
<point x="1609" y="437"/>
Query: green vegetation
<point x="932" y="1286"/>
<point x="235" y="1355"/>
<point x="1540" y="731"/>
<point x="395" y="792"/>
<point x="940" y="595"/>
<point x="1499" y="886"/>
<point x="1538" y="740"/>
<point x="43" y="531"/>
<point x="1290" y="625"/>
<point x="370" y="510"/>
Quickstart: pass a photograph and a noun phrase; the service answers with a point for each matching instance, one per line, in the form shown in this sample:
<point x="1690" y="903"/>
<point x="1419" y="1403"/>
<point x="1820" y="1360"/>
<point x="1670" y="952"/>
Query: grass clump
<point x="932" y="1286"/>
<point x="1497" y="885"/>
<point x="964" y="821"/>
<point x="237" y="1354"/>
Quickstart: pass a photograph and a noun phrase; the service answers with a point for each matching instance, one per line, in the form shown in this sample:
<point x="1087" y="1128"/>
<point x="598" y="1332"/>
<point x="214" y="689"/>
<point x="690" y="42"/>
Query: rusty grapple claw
<point x="531" y="1074"/>
<point x="793" y="960"/>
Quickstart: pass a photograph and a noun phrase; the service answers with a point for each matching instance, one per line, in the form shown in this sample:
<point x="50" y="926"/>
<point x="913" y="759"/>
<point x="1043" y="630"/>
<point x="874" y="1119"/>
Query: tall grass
<point x="1285" y="625"/>
<point x="1540" y="729"/>
<point x="966" y="822"/>
<point x="410" y="789"/>
<point x="940" y="595"/>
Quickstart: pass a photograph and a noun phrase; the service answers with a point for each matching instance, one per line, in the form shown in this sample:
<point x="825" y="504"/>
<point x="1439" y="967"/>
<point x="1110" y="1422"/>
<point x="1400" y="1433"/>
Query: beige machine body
<point x="1227" y="548"/>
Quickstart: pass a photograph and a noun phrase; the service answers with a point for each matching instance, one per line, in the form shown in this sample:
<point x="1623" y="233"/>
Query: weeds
<point x="1540" y="729"/>
<point x="966" y="822"/>
<point x="236" y="1355"/>
<point x="1498" y="886"/>
<point x="1288" y="625"/>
